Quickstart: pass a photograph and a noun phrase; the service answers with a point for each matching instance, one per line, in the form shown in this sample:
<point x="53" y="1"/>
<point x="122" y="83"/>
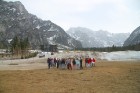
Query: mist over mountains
<point x="90" y="38"/>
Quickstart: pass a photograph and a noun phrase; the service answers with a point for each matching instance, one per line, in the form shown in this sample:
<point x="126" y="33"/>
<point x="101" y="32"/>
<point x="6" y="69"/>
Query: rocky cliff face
<point x="99" y="38"/>
<point x="16" y="21"/>
<point x="134" y="37"/>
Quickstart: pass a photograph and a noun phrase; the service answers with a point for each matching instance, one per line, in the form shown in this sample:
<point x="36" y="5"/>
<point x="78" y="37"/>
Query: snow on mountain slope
<point x="16" y="21"/>
<point x="99" y="38"/>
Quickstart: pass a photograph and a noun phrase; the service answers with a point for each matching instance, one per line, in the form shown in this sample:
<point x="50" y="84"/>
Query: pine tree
<point x="20" y="46"/>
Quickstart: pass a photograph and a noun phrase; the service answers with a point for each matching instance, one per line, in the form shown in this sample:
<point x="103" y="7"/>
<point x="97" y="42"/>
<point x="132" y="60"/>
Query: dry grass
<point x="106" y="77"/>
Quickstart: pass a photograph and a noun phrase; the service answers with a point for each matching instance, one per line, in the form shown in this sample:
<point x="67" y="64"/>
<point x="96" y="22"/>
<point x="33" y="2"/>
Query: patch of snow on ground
<point x="120" y="55"/>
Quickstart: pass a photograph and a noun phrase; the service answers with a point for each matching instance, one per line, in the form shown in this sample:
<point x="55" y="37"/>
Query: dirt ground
<point x="106" y="77"/>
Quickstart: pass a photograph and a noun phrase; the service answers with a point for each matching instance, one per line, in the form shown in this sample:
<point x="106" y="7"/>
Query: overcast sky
<point x="110" y="15"/>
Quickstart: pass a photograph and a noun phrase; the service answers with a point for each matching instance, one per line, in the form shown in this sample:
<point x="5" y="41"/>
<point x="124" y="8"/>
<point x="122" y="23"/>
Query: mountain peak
<point x="18" y="6"/>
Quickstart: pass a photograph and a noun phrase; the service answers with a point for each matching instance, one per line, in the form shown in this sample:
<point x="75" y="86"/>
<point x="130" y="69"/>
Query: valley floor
<point x="106" y="77"/>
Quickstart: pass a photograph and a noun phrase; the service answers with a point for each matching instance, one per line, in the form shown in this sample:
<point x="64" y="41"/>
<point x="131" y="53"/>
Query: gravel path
<point x="23" y="64"/>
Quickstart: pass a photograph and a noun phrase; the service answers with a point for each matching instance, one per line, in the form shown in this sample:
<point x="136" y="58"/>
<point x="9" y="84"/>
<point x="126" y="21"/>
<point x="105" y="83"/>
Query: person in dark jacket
<point x="74" y="63"/>
<point x="86" y="62"/>
<point x="81" y="67"/>
<point x="63" y="65"/>
<point x="57" y="63"/>
<point x="49" y="63"/>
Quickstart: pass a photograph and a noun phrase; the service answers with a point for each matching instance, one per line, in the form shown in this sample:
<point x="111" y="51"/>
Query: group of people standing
<point x="70" y="63"/>
<point x="90" y="62"/>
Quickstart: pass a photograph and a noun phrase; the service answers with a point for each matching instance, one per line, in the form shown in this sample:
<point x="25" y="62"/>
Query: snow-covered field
<point x="110" y="56"/>
<point x="120" y="55"/>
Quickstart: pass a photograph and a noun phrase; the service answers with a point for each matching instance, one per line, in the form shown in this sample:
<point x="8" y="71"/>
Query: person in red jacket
<point x="89" y="62"/>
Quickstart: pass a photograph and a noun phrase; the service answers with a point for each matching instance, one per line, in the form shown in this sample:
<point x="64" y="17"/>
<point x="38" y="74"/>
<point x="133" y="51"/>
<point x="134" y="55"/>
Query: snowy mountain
<point x="99" y="38"/>
<point x="16" y="21"/>
<point x="134" y="37"/>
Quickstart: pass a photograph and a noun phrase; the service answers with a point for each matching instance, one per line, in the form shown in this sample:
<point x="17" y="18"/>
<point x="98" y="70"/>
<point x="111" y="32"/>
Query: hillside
<point x="16" y="21"/>
<point x="134" y="38"/>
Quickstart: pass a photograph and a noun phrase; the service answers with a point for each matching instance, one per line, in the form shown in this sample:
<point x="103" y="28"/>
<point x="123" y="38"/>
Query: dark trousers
<point x="49" y="65"/>
<point x="81" y="65"/>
